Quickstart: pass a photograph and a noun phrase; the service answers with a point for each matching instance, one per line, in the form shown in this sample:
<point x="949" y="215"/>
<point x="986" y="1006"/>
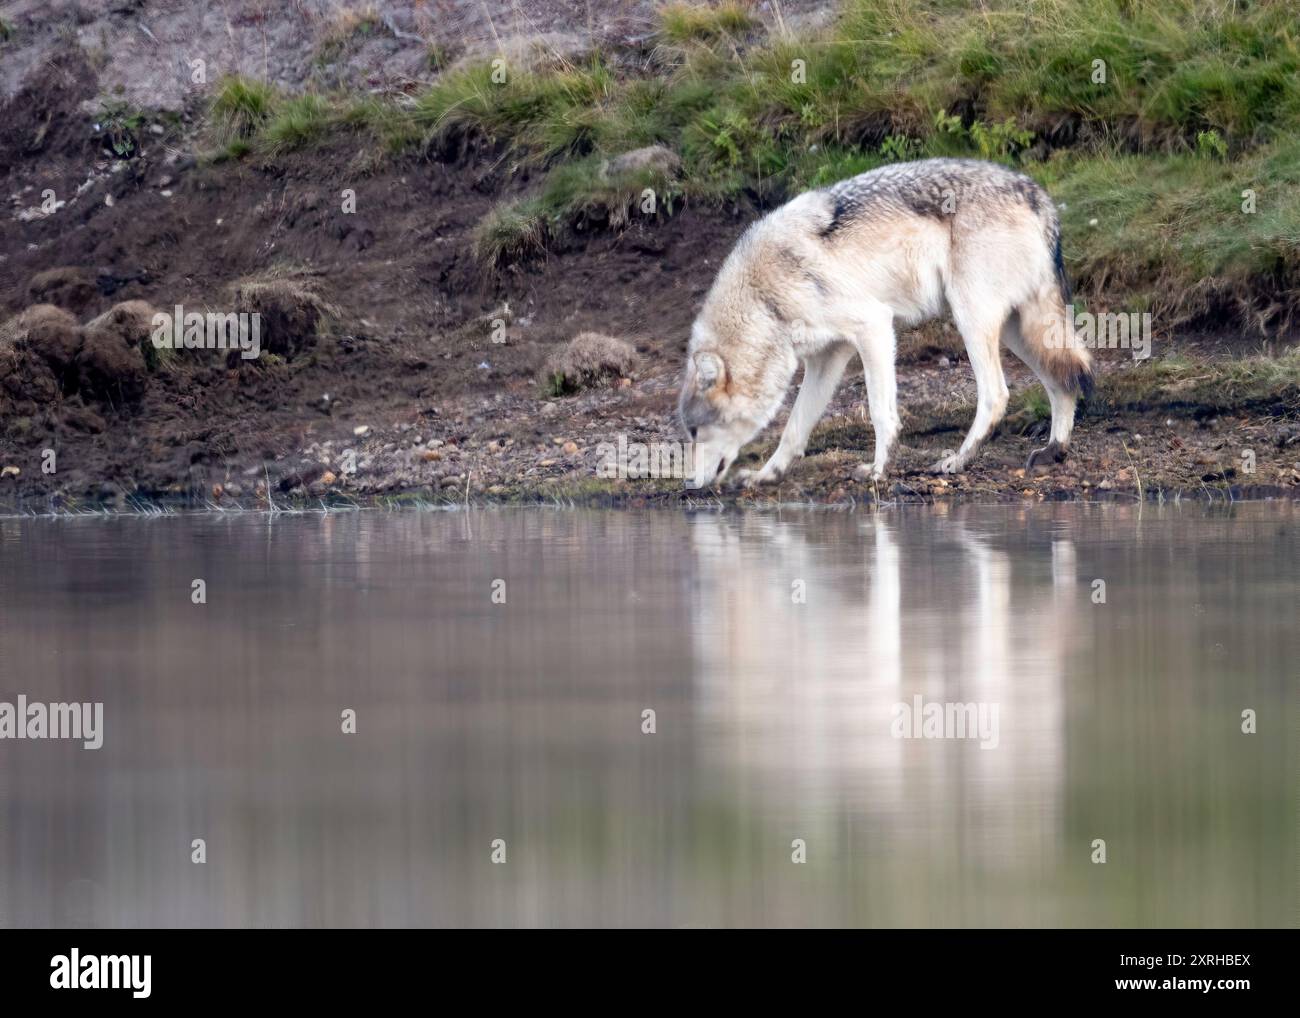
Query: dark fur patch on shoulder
<point x="925" y="202"/>
<point x="839" y="214"/>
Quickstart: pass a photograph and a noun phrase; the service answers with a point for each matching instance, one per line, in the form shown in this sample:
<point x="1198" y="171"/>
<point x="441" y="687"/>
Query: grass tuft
<point x="241" y="107"/>
<point x="685" y="22"/>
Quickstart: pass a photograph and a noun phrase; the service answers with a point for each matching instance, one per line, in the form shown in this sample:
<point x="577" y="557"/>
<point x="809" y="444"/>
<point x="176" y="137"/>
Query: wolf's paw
<point x="766" y="474"/>
<point x="948" y="463"/>
<point x="1052" y="452"/>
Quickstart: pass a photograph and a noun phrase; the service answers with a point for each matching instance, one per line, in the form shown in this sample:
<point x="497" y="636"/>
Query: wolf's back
<point x="972" y="199"/>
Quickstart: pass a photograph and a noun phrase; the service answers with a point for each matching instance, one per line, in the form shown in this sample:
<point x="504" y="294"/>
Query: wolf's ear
<point x="709" y="370"/>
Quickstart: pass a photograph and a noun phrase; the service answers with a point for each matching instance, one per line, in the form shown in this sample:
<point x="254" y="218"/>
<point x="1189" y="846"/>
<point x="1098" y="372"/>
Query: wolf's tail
<point x="1047" y="327"/>
<point x="1058" y="263"/>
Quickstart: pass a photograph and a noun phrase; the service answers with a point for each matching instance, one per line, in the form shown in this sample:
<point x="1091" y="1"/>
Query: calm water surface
<point x="773" y="650"/>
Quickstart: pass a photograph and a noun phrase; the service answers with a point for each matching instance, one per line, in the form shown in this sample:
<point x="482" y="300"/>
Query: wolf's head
<point x="730" y="392"/>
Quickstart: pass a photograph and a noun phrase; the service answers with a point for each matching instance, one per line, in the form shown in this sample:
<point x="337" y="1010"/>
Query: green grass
<point x="1223" y="386"/>
<point x="1200" y="101"/>
<point x="1170" y="231"/>
<point x="581" y="193"/>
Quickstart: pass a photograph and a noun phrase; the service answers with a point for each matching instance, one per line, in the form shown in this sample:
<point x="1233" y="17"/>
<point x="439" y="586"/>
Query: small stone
<point x="328" y="478"/>
<point x="10" y="471"/>
<point x="570" y="448"/>
<point x="361" y="430"/>
<point x="431" y="456"/>
<point x="218" y="491"/>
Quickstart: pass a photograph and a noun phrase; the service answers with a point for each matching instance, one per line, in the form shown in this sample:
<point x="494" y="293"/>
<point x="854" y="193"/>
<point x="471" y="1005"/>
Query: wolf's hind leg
<point x="980" y="329"/>
<point x="822" y="372"/>
<point x="1061" y="398"/>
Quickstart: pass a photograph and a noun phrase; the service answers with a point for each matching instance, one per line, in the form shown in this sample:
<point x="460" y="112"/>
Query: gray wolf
<point x="832" y="272"/>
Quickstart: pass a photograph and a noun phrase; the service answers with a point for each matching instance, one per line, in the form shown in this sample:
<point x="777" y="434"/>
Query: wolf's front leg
<point x="821" y="374"/>
<point x="876" y="346"/>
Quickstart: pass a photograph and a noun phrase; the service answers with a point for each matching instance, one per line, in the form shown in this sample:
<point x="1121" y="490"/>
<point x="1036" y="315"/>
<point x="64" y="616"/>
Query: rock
<point x="651" y="160"/>
<point x="361" y="430"/>
<point x="862" y="472"/>
<point x="328" y="478"/>
<point x="570" y="448"/>
<point x="588" y="359"/>
<point x="303" y="478"/>
<point x="10" y="471"/>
